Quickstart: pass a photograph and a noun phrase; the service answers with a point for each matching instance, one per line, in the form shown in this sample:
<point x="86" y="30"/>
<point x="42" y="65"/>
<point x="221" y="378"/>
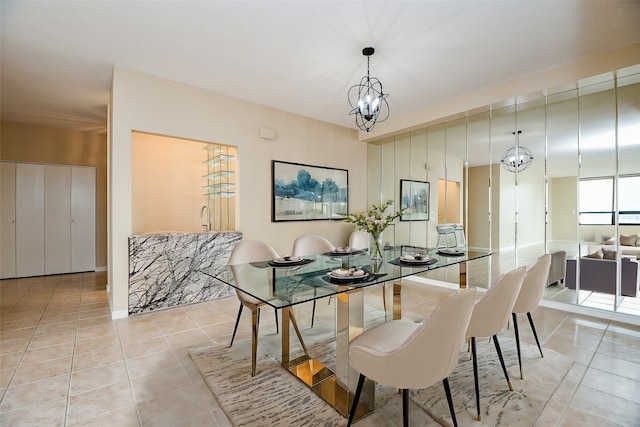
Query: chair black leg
<point x="277" y="329"/>
<point x="535" y="335"/>
<point x="504" y="368"/>
<point x="515" y="330"/>
<point x="405" y="407"/>
<point x="474" y="356"/>
<point x="356" y="398"/>
<point x="447" y="390"/>
<point x="313" y="312"/>
<point x="235" y="328"/>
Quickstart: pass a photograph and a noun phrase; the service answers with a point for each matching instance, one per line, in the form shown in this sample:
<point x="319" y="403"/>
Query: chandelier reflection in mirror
<point x="517" y="158"/>
<point x="368" y="102"/>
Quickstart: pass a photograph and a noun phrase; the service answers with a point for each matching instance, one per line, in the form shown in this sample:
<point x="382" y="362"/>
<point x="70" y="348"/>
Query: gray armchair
<point x="558" y="268"/>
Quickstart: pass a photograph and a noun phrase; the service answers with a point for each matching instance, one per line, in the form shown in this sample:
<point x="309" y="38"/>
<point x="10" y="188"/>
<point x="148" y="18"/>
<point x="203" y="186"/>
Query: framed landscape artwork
<point x="306" y="193"/>
<point x="414" y="197"/>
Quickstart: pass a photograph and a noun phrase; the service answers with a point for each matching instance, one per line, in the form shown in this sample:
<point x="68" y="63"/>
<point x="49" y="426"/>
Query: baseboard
<point x="101" y="268"/>
<point x="121" y="314"/>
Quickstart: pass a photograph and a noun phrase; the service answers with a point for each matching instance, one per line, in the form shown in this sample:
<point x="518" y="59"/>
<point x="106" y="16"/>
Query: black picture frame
<point x="301" y="192"/>
<point x="414" y="197"/>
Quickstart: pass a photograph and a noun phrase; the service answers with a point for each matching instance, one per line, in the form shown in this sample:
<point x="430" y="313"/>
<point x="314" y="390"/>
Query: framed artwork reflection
<point x="414" y="197"/>
<point x="306" y="193"/>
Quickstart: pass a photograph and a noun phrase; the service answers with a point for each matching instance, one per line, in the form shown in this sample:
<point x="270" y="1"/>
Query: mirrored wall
<point x="553" y="172"/>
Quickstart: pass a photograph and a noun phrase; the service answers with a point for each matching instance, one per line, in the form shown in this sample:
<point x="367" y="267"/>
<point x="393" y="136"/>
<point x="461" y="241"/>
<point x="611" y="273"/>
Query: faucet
<point x="205" y="220"/>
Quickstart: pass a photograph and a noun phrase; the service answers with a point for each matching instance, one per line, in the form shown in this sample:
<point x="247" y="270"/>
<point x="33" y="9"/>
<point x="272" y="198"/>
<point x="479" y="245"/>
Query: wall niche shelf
<point x="220" y="187"/>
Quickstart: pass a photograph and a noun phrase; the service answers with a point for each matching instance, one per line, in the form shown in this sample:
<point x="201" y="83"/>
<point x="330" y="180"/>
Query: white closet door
<point x="57" y="219"/>
<point x="29" y="220"/>
<point x="83" y="219"/>
<point x="7" y="220"/>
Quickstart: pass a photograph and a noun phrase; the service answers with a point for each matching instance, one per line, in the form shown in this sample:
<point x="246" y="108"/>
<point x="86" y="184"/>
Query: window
<point x="596" y="201"/>
<point x="629" y="204"/>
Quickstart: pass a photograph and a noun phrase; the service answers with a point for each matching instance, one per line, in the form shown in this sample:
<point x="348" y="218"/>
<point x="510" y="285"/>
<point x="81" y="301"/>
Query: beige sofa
<point x="629" y="244"/>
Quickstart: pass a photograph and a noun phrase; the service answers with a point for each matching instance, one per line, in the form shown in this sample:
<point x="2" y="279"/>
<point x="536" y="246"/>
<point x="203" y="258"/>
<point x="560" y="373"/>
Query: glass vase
<point x="375" y="247"/>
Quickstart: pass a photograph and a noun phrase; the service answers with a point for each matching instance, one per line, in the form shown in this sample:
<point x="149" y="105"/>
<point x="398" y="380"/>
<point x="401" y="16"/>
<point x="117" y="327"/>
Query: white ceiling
<point x="298" y="56"/>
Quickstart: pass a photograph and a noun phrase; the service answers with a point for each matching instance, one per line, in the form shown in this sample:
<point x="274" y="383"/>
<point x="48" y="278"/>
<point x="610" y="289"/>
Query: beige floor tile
<point x="603" y="405"/>
<point x="178" y="326"/>
<point x="16" y="334"/>
<point x="96" y="358"/>
<point x="48" y="319"/>
<point x="34" y="393"/>
<point x="152" y="363"/>
<point x="27" y="373"/>
<point x="97" y="343"/>
<point x="56" y="328"/>
<point x="93" y="378"/>
<point x="154" y="385"/>
<point x="109" y="329"/>
<point x="170" y="316"/>
<point x="53" y="339"/>
<point x="187" y="339"/>
<point x="576" y="418"/>
<point x="14" y="346"/>
<point x="48" y="413"/>
<point x="615" y="385"/>
<point x="98" y="312"/>
<point x="143" y="347"/>
<point x="10" y="360"/>
<point x="613" y="365"/>
<point x="5" y="377"/>
<point x="94" y="321"/>
<point x="143" y="332"/>
<point x="98" y="402"/>
<point x="123" y="417"/>
<point x="619" y="351"/>
<point x="48" y="353"/>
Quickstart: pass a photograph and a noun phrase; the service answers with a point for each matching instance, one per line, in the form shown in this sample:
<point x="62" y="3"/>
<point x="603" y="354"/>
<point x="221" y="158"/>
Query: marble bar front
<point x="164" y="268"/>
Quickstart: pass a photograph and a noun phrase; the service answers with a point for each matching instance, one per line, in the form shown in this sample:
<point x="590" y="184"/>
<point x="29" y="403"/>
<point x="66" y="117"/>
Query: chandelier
<point x="517" y="158"/>
<point x="368" y="102"/>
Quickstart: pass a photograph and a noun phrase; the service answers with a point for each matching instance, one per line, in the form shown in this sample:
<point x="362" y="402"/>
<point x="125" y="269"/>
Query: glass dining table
<point x="283" y="284"/>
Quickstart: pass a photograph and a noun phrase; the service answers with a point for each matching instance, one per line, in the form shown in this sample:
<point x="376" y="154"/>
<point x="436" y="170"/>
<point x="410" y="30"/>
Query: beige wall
<point x="145" y="103"/>
<point x="38" y="144"/>
<point x="167" y="183"/>
<point x="478" y="211"/>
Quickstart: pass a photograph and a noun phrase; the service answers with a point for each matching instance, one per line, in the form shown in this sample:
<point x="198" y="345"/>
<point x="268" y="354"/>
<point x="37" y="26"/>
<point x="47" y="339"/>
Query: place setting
<point x="289" y="261"/>
<point x="344" y="251"/>
<point x="349" y="275"/>
<point x="417" y="259"/>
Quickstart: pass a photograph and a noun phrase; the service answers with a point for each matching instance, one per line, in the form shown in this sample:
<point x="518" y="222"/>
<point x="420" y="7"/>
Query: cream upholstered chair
<point x="490" y="315"/>
<point x="311" y="244"/>
<point x="533" y="286"/>
<point x="246" y="251"/>
<point x="359" y="240"/>
<point x="405" y="354"/>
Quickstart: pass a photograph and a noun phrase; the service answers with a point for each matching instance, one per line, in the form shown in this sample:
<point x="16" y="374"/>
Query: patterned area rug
<point x="275" y="397"/>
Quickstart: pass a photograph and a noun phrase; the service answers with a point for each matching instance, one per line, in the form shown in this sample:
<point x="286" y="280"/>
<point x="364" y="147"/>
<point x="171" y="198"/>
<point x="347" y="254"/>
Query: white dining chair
<point x="411" y="355"/>
<point x="311" y="244"/>
<point x="359" y="240"/>
<point x="246" y="251"/>
<point x="489" y="317"/>
<point x="533" y="286"/>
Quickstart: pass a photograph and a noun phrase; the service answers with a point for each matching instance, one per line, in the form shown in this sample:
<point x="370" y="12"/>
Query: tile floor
<point x="63" y="361"/>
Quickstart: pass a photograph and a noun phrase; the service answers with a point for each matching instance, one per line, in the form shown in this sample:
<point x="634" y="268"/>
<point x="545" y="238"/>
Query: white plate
<point x="417" y="261"/>
<point x="343" y="252"/>
<point x="286" y="261"/>
<point x="349" y="277"/>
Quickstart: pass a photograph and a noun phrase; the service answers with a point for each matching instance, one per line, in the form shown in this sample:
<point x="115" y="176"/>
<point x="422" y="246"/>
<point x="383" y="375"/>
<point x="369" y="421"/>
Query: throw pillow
<point x="628" y="240"/>
<point x="606" y="254"/>
<point x="597" y="255"/>
<point x="606" y="240"/>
